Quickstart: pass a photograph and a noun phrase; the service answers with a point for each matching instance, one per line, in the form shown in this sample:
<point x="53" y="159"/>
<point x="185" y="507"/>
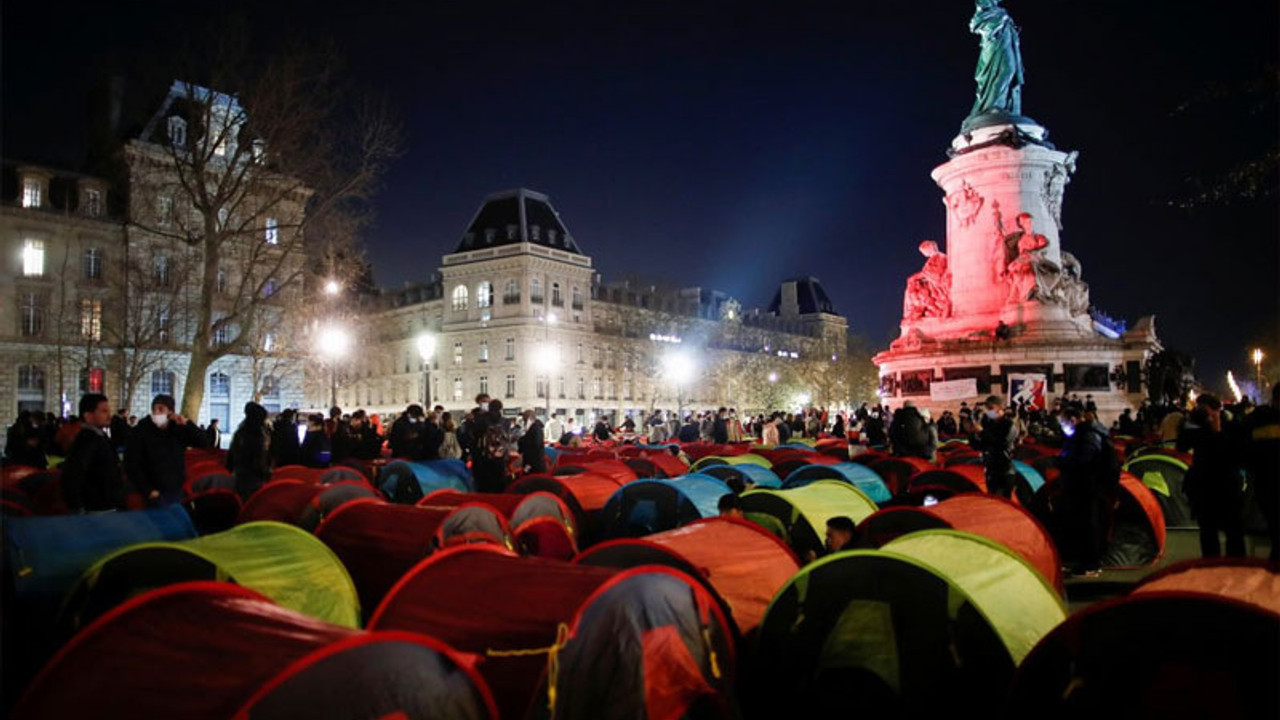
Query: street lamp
<point x="546" y="361"/>
<point x="334" y="342"/>
<point x="679" y="367"/>
<point x="427" y="349"/>
<point x="332" y="287"/>
<point x="1258" y="357"/>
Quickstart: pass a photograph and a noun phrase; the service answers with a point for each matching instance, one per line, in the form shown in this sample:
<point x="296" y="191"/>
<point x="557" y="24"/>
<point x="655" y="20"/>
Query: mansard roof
<point x="517" y="216"/>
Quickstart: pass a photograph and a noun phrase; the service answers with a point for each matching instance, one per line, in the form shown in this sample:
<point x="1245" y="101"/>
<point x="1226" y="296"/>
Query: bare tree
<point x="253" y="184"/>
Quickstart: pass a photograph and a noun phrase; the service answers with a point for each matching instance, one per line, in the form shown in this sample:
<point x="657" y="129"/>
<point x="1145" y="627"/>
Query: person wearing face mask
<point x="155" y="455"/>
<point x="996" y="440"/>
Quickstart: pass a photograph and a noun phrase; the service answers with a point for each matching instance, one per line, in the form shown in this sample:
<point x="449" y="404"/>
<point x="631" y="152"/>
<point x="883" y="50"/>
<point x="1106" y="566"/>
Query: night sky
<point x="730" y="145"/>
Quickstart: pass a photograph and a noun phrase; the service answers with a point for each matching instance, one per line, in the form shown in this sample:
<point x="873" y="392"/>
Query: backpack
<point x="495" y="443"/>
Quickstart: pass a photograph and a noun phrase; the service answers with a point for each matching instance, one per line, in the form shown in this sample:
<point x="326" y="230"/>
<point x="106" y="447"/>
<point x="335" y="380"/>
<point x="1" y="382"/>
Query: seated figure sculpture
<point x="928" y="292"/>
<point x="1021" y="263"/>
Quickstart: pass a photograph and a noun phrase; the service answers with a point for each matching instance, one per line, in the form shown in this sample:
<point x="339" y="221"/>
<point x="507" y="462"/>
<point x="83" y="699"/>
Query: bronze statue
<point x="999" y="73"/>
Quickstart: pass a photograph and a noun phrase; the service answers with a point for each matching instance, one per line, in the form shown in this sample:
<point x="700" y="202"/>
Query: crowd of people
<point x="108" y="455"/>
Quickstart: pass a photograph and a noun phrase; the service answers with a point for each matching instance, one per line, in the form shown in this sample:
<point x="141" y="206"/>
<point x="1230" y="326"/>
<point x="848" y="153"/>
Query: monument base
<point x="1070" y="360"/>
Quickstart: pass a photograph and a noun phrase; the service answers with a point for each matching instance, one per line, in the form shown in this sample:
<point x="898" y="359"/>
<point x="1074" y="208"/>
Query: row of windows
<point x="33" y="197"/>
<point x="461" y="296"/>
<point x="31" y="380"/>
<point x="165" y="218"/>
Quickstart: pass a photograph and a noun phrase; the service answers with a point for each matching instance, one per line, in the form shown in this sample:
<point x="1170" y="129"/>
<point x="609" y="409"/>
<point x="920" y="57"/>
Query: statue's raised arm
<point x="999" y="71"/>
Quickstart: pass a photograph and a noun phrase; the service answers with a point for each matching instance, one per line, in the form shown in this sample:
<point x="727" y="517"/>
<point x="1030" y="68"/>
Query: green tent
<point x="744" y="459"/>
<point x="804" y="511"/>
<point x="283" y="562"/>
<point x="936" y="621"/>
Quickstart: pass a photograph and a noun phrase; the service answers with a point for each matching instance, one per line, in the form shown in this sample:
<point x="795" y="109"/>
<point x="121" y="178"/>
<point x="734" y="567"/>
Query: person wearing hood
<point x="155" y="454"/>
<point x="317" y="450"/>
<point x="996" y="440"/>
<point x="249" y="457"/>
<point x="285" y="445"/>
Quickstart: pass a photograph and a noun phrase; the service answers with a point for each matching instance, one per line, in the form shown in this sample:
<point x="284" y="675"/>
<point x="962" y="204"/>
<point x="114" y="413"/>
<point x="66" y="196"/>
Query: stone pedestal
<point x="1003" y="188"/>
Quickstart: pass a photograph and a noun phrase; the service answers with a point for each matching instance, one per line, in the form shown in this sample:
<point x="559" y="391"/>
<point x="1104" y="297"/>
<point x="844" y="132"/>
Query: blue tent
<point x="1029" y="474"/>
<point x="48" y="554"/>
<point x="408" y="481"/>
<point x="746" y="473"/>
<point x="856" y="474"/>
<point x="647" y="506"/>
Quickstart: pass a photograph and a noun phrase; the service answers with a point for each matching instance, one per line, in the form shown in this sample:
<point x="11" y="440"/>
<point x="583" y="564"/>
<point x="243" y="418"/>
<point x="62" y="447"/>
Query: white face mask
<point x="484" y="407"/>
<point x="992" y="415"/>
<point x="160" y="420"/>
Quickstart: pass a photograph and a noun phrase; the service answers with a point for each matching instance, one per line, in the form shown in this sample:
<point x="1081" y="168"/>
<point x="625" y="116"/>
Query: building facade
<point x="518" y="311"/>
<point x="99" y="281"/>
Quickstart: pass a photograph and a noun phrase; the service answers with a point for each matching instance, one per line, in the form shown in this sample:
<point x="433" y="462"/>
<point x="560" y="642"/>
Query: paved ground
<point x="1180" y="544"/>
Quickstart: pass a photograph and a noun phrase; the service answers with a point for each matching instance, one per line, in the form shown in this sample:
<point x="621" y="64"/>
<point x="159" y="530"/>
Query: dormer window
<point x="511" y="232"/>
<point x="91" y="202"/>
<point x="534" y="232"/>
<point x="32" y="192"/>
<point x="488" y="235"/>
<point x="177" y="131"/>
<point x="551" y="236"/>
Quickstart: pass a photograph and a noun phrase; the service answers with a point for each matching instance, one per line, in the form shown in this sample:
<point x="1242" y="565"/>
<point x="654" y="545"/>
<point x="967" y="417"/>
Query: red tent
<point x="585" y="494"/>
<point x="216" y="650"/>
<point x="35" y="491"/>
<point x="1252" y="581"/>
<point x="379" y="542"/>
<point x="953" y="480"/>
<point x="986" y="515"/>
<point x="1157" y="653"/>
<point x="742" y="563"/>
<point x="614" y="469"/>
<point x="647" y="642"/>
<point x="1137" y="536"/>
<point x="301" y="503"/>
<point x="898" y="471"/>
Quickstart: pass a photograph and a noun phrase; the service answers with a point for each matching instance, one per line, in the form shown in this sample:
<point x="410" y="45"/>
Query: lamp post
<point x="332" y="287"/>
<point x="547" y="360"/>
<point x="1258" y="357"/>
<point x="334" y="342"/>
<point x="427" y="349"/>
<point x="679" y="367"/>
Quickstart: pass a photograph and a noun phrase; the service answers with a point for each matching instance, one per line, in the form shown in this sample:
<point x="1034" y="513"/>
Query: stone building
<point x="98" y="277"/>
<point x="518" y="311"/>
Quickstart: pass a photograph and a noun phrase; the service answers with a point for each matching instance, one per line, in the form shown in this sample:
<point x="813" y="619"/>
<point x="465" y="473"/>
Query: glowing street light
<point x="332" y="287"/>
<point x="1258" y="357"/>
<point x="333" y="342"/>
<point x="773" y="376"/>
<point x="679" y="367"/>
<point x="427" y="349"/>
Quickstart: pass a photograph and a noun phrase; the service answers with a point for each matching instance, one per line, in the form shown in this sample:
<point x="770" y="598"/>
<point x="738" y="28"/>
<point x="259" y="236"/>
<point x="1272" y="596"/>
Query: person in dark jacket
<point x="405" y="438"/>
<point x="91" y="479"/>
<point x="531" y="445"/>
<point x="24" y="444"/>
<point x="249" y="457"/>
<point x="910" y="435"/>
<point x="120" y="430"/>
<point x="996" y="441"/>
<point x="1264" y="465"/>
<point x="491" y="447"/>
<point x="1085" y="493"/>
<point x="155" y="457"/>
<point x="213" y="435"/>
<point x="1213" y="484"/>
<point x="285" y="445"/>
<point x="602" y="431"/>
<point x="317" y="451"/>
<point x="366" y="442"/>
<point x="689" y="432"/>
<point x="720" y="427"/>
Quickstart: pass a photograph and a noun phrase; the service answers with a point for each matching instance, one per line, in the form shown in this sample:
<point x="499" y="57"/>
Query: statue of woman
<point x="999" y="72"/>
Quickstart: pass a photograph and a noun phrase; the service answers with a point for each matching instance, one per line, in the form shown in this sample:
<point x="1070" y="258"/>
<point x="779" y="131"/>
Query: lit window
<point x="484" y="384"/>
<point x="91" y="319"/>
<point x="92" y="202"/>
<point x="219" y="385"/>
<point x="577" y="298"/>
<point x="488" y="235"/>
<point x="92" y="264"/>
<point x="33" y="258"/>
<point x="221" y="333"/>
<point x="595" y="388"/>
<point x="556" y="298"/>
<point x="535" y="290"/>
<point x="460" y="297"/>
<point x="31" y="193"/>
<point x="268" y="343"/>
<point x="457" y="388"/>
<point x="177" y="131"/>
<point x="582" y="392"/>
<point x="457" y="353"/>
<point x="511" y="232"/>
<point x="511" y="348"/>
<point x="272" y="233"/>
<point x="512" y="294"/>
<point x="484" y="295"/>
<point x="534" y="232"/>
<point x="484" y="351"/>
<point x="511" y="386"/>
<point x="270" y="387"/>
